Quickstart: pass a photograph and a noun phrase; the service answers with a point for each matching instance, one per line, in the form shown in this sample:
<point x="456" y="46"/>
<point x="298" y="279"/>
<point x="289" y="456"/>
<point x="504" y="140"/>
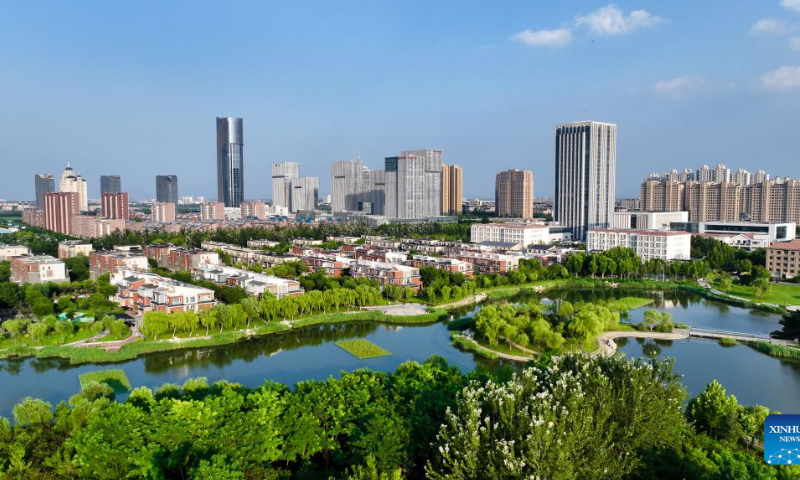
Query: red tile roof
<point x="790" y="245"/>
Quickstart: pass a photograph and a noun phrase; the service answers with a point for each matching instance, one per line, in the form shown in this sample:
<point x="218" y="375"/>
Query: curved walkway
<point x="606" y="345"/>
<point x="506" y="356"/>
<point x="464" y="301"/>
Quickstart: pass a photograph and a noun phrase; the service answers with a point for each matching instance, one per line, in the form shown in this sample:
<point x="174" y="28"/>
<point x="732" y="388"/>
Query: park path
<point x="464" y="301"/>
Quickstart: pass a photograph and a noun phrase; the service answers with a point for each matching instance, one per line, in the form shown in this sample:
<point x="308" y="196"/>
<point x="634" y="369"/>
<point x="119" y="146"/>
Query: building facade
<point x="59" y="210"/>
<point x="305" y="194"/>
<point x="143" y="292"/>
<point x="230" y="161"/>
<point x="452" y="189"/>
<point x="648" y="220"/>
<point x="647" y="244"/>
<point x="521" y="234"/>
<point x="255" y="284"/>
<point x="102" y="262"/>
<point x="74" y="248"/>
<point x="585" y="175"/>
<point x="38" y="269"/>
<point x="163" y="212"/>
<point x="282" y="175"/>
<point x="254" y="209"/>
<point x="212" y="211"/>
<point x="513" y="194"/>
<point x="75" y="183"/>
<point x="167" y="189"/>
<point x="384" y="273"/>
<point x="177" y="258"/>
<point x="44" y="183"/>
<point x="350" y="183"/>
<point x="783" y="259"/>
<point x="114" y="205"/>
<point x="8" y="251"/>
<point x="413" y="185"/>
<point x="110" y="184"/>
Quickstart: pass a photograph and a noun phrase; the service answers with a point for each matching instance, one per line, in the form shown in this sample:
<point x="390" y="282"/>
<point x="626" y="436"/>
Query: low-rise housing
<point x="178" y="258"/>
<point x="109" y="261"/>
<point x="329" y="263"/>
<point x="451" y="265"/>
<point x="489" y="262"/>
<point x="246" y="256"/>
<point x="744" y="241"/>
<point x="775" y="232"/>
<point x="783" y="259"/>
<point x="74" y="248"/>
<point x="8" y="251"/>
<point x="253" y="283"/>
<point x="647" y="244"/>
<point x="141" y="292"/>
<point x="387" y="273"/>
<point x="38" y="269"/>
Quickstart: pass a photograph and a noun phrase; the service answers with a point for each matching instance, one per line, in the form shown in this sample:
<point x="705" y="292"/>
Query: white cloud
<point x="794" y="43"/>
<point x="544" y="38"/>
<point x="791" y="4"/>
<point x="782" y="79"/>
<point x="678" y="87"/>
<point x="610" y="20"/>
<point x="769" y="26"/>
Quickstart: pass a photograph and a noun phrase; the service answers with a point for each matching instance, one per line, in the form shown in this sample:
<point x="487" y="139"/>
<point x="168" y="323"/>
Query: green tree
<point x="715" y="413"/>
<point x="32" y="411"/>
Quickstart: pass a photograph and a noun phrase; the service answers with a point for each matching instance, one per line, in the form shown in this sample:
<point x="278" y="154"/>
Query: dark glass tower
<point x="45" y="183"/>
<point x="230" y="161"/>
<point x="167" y="189"/>
<point x="110" y="184"/>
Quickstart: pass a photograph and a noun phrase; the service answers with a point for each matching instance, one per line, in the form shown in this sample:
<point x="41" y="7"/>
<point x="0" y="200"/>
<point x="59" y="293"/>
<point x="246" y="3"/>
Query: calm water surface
<point x="311" y="354"/>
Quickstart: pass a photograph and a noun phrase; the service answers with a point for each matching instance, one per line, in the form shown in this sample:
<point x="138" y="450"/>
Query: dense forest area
<point x="576" y="417"/>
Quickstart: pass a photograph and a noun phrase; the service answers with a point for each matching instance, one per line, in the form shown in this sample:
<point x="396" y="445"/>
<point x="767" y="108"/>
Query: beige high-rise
<point x="452" y="189"/>
<point x="513" y="193"/>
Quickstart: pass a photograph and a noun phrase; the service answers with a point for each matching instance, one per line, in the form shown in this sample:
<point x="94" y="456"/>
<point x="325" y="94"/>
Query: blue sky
<point x="133" y="88"/>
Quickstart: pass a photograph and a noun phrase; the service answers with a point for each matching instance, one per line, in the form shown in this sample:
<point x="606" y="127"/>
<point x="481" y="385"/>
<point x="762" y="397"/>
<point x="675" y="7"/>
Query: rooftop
<point x="793" y="244"/>
<point x="659" y="233"/>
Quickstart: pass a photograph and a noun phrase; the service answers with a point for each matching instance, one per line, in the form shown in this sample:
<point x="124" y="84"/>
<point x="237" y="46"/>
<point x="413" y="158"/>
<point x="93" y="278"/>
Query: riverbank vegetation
<point x="115" y="378"/>
<point x="422" y="421"/>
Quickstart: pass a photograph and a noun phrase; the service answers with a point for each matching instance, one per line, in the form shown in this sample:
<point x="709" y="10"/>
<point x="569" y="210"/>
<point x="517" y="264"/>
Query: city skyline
<point x="668" y="78"/>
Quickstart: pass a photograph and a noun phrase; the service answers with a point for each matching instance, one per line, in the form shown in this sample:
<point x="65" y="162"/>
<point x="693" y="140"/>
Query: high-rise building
<point x="375" y="199"/>
<point x="282" y="174"/>
<point x="722" y="174"/>
<point x="413" y="184"/>
<point x="760" y="176"/>
<point x="704" y="174"/>
<point x="114" y="205"/>
<point x="586" y="168"/>
<point x="212" y="211"/>
<point x="513" y="193"/>
<point x="350" y="182"/>
<point x="305" y="193"/>
<point x="59" y="210"/>
<point x="167" y="189"/>
<point x="110" y="184"/>
<point x="230" y="161"/>
<point x="45" y="183"/>
<point x="163" y="212"/>
<point x="741" y="177"/>
<point x="74" y="182"/>
<point x="254" y="209"/>
<point x="452" y="189"/>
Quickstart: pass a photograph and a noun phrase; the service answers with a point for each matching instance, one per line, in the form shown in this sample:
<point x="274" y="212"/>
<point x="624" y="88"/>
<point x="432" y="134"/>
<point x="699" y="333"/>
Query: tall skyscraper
<point x="110" y="184"/>
<point x="305" y="193"/>
<point x="45" y="183"/>
<point x="282" y="174"/>
<point x="585" y="175"/>
<point x="230" y="161"/>
<point x="74" y="182"/>
<point x="114" y="205"/>
<point x="414" y="184"/>
<point x="167" y="189"/>
<point x="452" y="189"/>
<point x="350" y="182"/>
<point x="59" y="210"/>
<point x="513" y="194"/>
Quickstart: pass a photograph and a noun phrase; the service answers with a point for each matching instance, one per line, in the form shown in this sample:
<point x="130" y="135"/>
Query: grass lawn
<point x="779" y="294"/>
<point x="46" y="341"/>
<point x="115" y="379"/>
<point x="362" y="349"/>
<point x="630" y="303"/>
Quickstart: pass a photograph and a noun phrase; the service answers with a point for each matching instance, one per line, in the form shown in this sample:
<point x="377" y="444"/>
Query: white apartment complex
<point x="38" y="269"/>
<point x="510" y="233"/>
<point x="8" y="251"/>
<point x="253" y="283"/>
<point x="146" y="291"/>
<point x="647" y="244"/>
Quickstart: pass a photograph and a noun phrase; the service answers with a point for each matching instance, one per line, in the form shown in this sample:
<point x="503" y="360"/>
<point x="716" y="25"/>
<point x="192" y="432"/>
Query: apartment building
<point x="87" y="226"/>
<point x="163" y="212"/>
<point x="114" y="205"/>
<point x="254" y="209"/>
<point x="331" y="264"/>
<point x="33" y="216"/>
<point x="255" y="284"/>
<point x="387" y="273"/>
<point x="783" y="259"/>
<point x="245" y="256"/>
<point x="38" y="269"/>
<point x="521" y="234"/>
<point x="74" y="248"/>
<point x="647" y="244"/>
<point x="110" y="261"/>
<point x="514" y="193"/>
<point x="212" y="211"/>
<point x="142" y="292"/>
